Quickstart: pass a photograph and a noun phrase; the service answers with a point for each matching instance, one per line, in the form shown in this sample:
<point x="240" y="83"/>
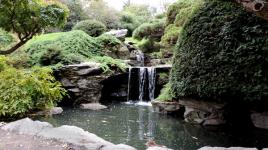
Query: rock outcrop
<point x="82" y="81"/>
<point x="260" y="120"/>
<point x="165" y="107"/>
<point x="67" y="134"/>
<point x="205" y="113"/>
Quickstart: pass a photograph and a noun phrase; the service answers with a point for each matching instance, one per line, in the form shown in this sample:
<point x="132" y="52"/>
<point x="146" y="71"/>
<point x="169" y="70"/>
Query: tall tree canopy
<point x="27" y="18"/>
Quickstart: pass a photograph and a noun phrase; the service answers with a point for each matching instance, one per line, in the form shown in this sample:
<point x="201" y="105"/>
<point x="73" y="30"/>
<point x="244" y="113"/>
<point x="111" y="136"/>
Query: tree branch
<point x="14" y="48"/>
<point x="259" y="7"/>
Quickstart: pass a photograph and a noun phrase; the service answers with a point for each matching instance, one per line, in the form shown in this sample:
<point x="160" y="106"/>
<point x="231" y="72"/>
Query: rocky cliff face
<point x="82" y="81"/>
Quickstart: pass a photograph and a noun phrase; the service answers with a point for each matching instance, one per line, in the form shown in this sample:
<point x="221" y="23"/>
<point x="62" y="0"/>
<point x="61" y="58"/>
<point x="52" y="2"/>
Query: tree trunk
<point x="13" y="49"/>
<point x="259" y="7"/>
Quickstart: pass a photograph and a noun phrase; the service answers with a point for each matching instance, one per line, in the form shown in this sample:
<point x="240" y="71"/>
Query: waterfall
<point x="146" y="83"/>
<point x="129" y="83"/>
<point x="140" y="58"/>
<point x="151" y="79"/>
<point x="142" y="73"/>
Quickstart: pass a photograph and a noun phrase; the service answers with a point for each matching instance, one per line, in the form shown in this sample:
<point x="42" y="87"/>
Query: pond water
<point x="134" y="125"/>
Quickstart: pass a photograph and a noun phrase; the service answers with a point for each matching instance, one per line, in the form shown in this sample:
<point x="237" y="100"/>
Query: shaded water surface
<point x="134" y="125"/>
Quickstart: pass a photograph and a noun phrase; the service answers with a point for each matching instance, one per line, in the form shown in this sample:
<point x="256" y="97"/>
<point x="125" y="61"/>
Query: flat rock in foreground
<point x="66" y="134"/>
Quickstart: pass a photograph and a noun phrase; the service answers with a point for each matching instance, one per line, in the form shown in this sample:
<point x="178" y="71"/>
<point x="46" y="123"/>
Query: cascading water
<point x="146" y="82"/>
<point x="142" y="73"/>
<point x="151" y="79"/>
<point x="140" y="58"/>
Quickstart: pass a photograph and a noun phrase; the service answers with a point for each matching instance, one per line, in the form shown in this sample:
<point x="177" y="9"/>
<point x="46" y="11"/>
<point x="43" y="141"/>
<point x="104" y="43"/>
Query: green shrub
<point x="22" y="91"/>
<point x="5" y="39"/>
<point x="170" y="36"/>
<point x="91" y="27"/>
<point x="175" y="8"/>
<point x="222" y="55"/>
<point x="129" y="22"/>
<point x="109" y="42"/>
<point x="65" y="48"/>
<point x="149" y="46"/>
<point x="177" y="15"/>
<point x="108" y="64"/>
<point x="152" y="31"/>
<point x="165" y="94"/>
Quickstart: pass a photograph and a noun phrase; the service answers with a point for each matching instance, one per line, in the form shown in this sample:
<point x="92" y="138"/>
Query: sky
<point x="118" y="4"/>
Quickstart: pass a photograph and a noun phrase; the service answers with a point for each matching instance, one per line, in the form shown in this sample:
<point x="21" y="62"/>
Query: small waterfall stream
<point x="146" y="83"/>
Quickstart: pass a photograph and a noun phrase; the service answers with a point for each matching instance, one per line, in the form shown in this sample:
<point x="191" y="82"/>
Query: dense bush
<point x="153" y="30"/>
<point x="109" y="42"/>
<point x="177" y="15"/>
<point x="166" y="94"/>
<point x="65" y="48"/>
<point x="149" y="35"/>
<point x="129" y="22"/>
<point x="76" y="13"/>
<point x="108" y="64"/>
<point x="170" y="36"/>
<point x="148" y="46"/>
<point x="222" y="55"/>
<point x="91" y="27"/>
<point x="24" y="90"/>
<point x="5" y="39"/>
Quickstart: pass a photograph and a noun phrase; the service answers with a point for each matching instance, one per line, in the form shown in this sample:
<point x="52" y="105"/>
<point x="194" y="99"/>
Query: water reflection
<point x="134" y="125"/>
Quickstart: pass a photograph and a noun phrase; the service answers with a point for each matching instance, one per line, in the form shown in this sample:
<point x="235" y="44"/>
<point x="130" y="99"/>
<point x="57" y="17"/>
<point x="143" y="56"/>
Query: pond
<point x="134" y="125"/>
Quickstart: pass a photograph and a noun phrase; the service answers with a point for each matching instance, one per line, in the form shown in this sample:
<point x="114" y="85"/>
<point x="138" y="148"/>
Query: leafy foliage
<point x="149" y="35"/>
<point x="222" y="55"/>
<point x="77" y="13"/>
<point x="177" y="15"/>
<point x="170" y="37"/>
<point x="24" y="90"/>
<point x="100" y="10"/>
<point x="153" y="30"/>
<point x="133" y="16"/>
<point x="129" y="22"/>
<point x="109" y="42"/>
<point x="108" y="64"/>
<point x="91" y="27"/>
<point x="6" y="39"/>
<point x="166" y="94"/>
<point x="28" y="18"/>
<point x="65" y="48"/>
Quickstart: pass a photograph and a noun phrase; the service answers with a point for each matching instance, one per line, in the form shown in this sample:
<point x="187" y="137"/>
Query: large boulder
<point x="82" y="81"/>
<point x="68" y="134"/>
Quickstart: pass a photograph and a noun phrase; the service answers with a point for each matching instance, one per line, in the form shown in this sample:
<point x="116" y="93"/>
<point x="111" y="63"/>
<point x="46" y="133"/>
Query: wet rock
<point x="158" y="148"/>
<point x="82" y="81"/>
<point x="205" y="113"/>
<point x="52" y="111"/>
<point x="118" y="33"/>
<point x="260" y="120"/>
<point x="223" y="148"/>
<point x="165" y="107"/>
<point x="69" y="134"/>
<point x="56" y="110"/>
<point x="93" y="106"/>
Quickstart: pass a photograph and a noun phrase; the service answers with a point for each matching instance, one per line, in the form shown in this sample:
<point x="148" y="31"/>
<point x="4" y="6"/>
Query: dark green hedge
<point x="222" y="55"/>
